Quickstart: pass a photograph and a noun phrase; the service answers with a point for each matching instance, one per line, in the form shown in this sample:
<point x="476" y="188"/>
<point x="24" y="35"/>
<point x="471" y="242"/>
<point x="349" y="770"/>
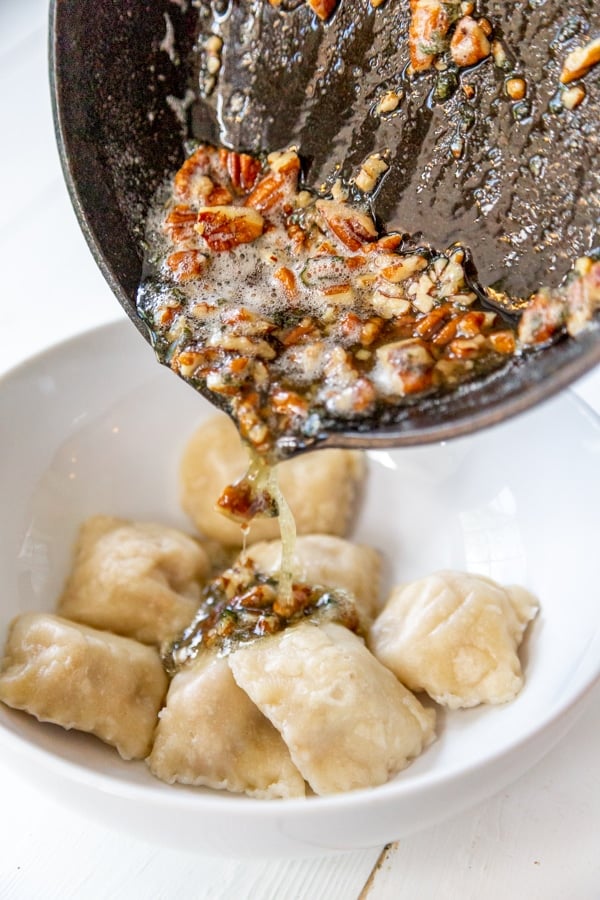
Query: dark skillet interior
<point x="525" y="194"/>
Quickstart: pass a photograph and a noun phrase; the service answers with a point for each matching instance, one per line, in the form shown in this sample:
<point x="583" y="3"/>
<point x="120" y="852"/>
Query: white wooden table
<point x="538" y="839"/>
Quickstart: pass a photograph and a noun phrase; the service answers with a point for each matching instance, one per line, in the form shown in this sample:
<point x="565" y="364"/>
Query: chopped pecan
<point x="370" y="172"/>
<point x="217" y="196"/>
<point x="388" y="102"/>
<point x="323" y="8"/>
<point x="284" y="162"/>
<point x="289" y="403"/>
<point x="370" y="331"/>
<point x="451" y="279"/>
<point x="243" y="501"/>
<point x="389" y="306"/>
<point x="429" y="325"/>
<point x="191" y="363"/>
<point x="339" y="367"/>
<point x="179" y="224"/>
<point x="225" y="227"/>
<point x="446" y="333"/>
<point x="503" y="342"/>
<point x="326" y="248"/>
<point x="196" y="167"/>
<point x="241" y="320"/>
<point x="544" y="315"/>
<point x="287" y="278"/>
<point x="473" y="323"/>
<point x="260" y="596"/>
<point x="421" y="292"/>
<point x="168" y="314"/>
<point x="352" y="227"/>
<point x="186" y="264"/>
<point x="243" y="170"/>
<point x="403" y="267"/>
<point x="339" y="294"/>
<point x="580" y="61"/>
<point x="246" y="410"/>
<point x="572" y="97"/>
<point x="469" y="43"/>
<point x="355" y="399"/>
<point x="276" y="190"/>
<point x="246" y="346"/>
<point x="386" y="243"/>
<point x="269" y="193"/>
<point x="429" y="24"/>
<point x="350" y="326"/>
<point x="583" y="295"/>
<point x="297" y="236"/>
<point x="299" y="334"/>
<point x="464" y="348"/>
<point x="404" y="367"/>
<point x="516" y="88"/>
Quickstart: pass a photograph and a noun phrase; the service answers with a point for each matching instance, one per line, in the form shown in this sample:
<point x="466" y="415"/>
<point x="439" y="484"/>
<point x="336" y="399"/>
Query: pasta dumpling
<point x="137" y="579"/>
<point x="347" y="722"/>
<point x="320" y="487"/>
<point x="210" y="733"/>
<point x="331" y="562"/>
<point x="455" y="635"/>
<point x="77" y="677"/>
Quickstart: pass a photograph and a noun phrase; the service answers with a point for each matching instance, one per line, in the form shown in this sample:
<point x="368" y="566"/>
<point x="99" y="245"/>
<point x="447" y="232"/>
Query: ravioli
<point x="137" y="579"/>
<point x="347" y="721"/>
<point x="329" y="561"/>
<point x="321" y="487"/>
<point x="455" y="635"/>
<point x="78" y="677"/>
<point x="210" y="733"/>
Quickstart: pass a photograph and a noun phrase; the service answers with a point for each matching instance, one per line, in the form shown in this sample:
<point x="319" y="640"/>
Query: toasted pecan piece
<point x="226" y="227"/>
<point x="469" y="44"/>
<point x="429" y="24"/>
<point x="503" y="342"/>
<point x="290" y="403"/>
<point x="196" y="167"/>
<point x="268" y="193"/>
<point x="404" y="367"/>
<point x="284" y="162"/>
<point x="288" y="280"/>
<point x="243" y="169"/>
<point x="186" y="264"/>
<point x="323" y="8"/>
<point x="580" y="61"/>
<point x="583" y="294"/>
<point x="179" y="224"/>
<point x="542" y="318"/>
<point x="352" y="227"/>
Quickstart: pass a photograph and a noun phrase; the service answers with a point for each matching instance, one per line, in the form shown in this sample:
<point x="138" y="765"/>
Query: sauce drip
<point x="257" y="494"/>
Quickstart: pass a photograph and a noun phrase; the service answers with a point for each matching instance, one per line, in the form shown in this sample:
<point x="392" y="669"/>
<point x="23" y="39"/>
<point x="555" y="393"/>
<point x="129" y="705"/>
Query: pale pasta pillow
<point x="455" y="635"/>
<point x="78" y="677"/>
<point x="347" y="721"/>
<point x="321" y="487"/>
<point x="138" y="579"/>
<point x="329" y="561"/>
<point x="210" y="733"/>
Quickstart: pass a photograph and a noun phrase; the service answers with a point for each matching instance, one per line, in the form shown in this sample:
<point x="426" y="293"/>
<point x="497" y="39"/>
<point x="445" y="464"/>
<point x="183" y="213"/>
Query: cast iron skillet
<point x="525" y="194"/>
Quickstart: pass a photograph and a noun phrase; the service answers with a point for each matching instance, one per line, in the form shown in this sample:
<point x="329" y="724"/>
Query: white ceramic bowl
<point x="96" y="425"/>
